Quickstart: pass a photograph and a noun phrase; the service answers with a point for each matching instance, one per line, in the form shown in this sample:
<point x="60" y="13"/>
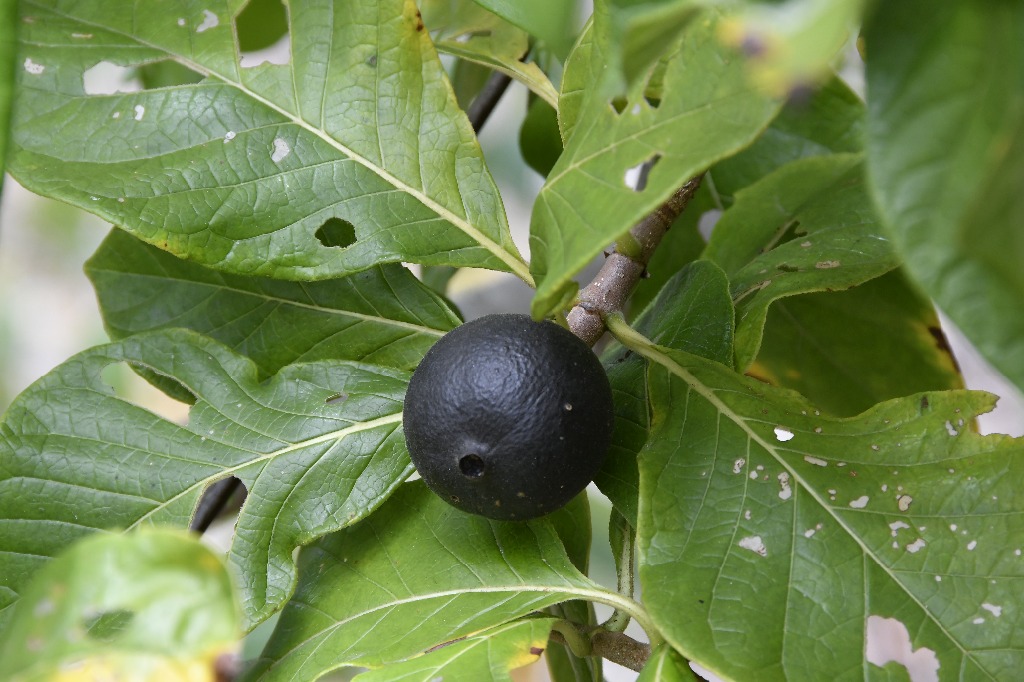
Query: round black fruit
<point x="508" y="418"/>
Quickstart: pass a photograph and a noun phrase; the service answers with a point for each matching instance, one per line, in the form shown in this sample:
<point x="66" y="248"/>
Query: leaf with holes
<point x="692" y="312"/>
<point x="414" y="575"/>
<point x="946" y="159"/>
<point x="150" y="605"/>
<point x="707" y="112"/>
<point x="382" y="316"/>
<point x="832" y="538"/>
<point x="354" y="153"/>
<point x="808" y="226"/>
<point x="318" y="446"/>
<point x="486" y="657"/>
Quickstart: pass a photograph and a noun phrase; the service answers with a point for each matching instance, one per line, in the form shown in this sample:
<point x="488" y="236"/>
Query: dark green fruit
<point x="507" y="417"/>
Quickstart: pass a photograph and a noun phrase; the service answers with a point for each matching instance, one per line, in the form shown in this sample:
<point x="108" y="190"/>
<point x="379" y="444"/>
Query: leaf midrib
<point x="515" y="263"/>
<point x="627" y="336"/>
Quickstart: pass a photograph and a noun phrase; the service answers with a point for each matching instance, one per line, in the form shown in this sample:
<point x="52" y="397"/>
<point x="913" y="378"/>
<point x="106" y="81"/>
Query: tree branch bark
<point x="621" y="271"/>
<point x="616" y="647"/>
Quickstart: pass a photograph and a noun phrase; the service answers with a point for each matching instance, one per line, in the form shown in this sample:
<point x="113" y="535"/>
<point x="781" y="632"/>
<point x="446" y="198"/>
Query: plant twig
<point x="213" y="501"/>
<point x="483" y="104"/>
<point x="608" y="292"/>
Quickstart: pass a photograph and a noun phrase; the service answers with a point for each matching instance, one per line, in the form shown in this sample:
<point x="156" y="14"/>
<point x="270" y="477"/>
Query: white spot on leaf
<point x="826" y="264"/>
<point x="897" y="526"/>
<point x="978" y="621"/>
<point x="755" y="544"/>
<point x="281" y="150"/>
<point x="229" y="135"/>
<point x="860" y="502"/>
<point x="809" y="533"/>
<point x="738" y="465"/>
<point x="993" y="609"/>
<point x="782" y="435"/>
<point x="949" y="428"/>
<point x="140" y="111"/>
<point x="787" y="491"/>
<point x="33" y="68"/>
<point x="210" y="20"/>
<point x="181" y="21"/>
<point x="815" y="461"/>
<point x="971" y="545"/>
<point x="916" y="546"/>
<point x="903" y="502"/>
<point x="888" y="641"/>
<point x="746" y="515"/>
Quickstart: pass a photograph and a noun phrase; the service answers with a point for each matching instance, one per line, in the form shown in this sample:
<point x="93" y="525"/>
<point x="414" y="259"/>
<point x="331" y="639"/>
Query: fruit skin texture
<point x="508" y="418"/>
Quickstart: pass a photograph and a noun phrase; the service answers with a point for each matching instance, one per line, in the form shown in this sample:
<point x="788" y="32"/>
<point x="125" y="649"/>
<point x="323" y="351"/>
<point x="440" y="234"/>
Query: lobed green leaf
<point x="416" y="574"/>
<point x="318" y="446"/>
<point x="243" y="170"/>
<point x="828" y="536"/>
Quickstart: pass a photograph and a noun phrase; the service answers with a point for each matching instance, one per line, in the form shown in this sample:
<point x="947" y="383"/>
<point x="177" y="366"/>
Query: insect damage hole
<point x="471" y="466"/>
<point x="107" y="78"/>
<point x="636" y="176"/>
<point x="263" y="36"/>
<point x="336" y="233"/>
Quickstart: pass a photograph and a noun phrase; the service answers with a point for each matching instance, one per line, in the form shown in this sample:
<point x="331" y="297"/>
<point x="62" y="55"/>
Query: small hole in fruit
<point x="472" y="466"/>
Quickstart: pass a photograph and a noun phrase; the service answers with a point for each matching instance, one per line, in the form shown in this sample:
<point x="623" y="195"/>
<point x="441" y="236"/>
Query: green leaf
<point x="8" y="33"/>
<point x="758" y="513"/>
<point x="826" y="346"/>
<point x="829" y="121"/>
<point x="415" y="574"/>
<point x="467" y="31"/>
<point x="792" y="45"/>
<point x="382" y="316"/>
<point x="149" y="605"/>
<point x="706" y="113"/>
<point x="488" y="656"/>
<point x="946" y="159"/>
<point x="241" y="171"/>
<point x="318" y="446"/>
<point x="693" y="312"/>
<point x="666" y="665"/>
<point x="549" y="20"/>
<point x="809" y="226"/>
